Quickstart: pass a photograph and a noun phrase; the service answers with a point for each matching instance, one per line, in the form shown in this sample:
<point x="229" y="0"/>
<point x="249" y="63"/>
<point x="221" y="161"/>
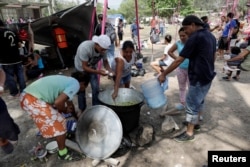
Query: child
<point x="122" y="66"/>
<point x="34" y="67"/>
<point x="234" y="52"/>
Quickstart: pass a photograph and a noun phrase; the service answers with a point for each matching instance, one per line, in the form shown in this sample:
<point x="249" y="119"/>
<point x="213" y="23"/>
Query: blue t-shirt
<point x="180" y="46"/>
<point x="200" y="49"/>
<point x="228" y="26"/>
<point x="40" y="63"/>
<point x="206" y="26"/>
<point x="134" y="29"/>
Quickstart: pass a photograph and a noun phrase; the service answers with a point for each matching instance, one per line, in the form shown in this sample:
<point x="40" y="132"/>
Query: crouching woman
<point x="46" y="99"/>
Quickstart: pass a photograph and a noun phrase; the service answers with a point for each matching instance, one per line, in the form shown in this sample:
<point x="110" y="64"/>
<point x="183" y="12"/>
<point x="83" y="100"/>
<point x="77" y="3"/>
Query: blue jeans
<point x="125" y="79"/>
<point x="195" y="101"/>
<point x="162" y="30"/>
<point x="111" y="54"/>
<point x="12" y="71"/>
<point x="95" y="91"/>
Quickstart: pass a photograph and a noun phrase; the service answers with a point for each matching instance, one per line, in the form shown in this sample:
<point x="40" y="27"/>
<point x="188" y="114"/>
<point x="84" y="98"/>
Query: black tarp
<point x="78" y="22"/>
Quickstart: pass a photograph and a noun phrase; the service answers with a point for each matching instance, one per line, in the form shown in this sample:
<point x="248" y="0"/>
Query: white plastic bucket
<point x="153" y="93"/>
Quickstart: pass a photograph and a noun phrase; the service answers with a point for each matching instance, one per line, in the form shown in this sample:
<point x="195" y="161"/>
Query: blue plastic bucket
<point x="154" y="93"/>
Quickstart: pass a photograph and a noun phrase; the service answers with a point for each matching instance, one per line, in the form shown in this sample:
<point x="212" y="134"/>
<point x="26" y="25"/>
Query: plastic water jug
<point x="154" y="93"/>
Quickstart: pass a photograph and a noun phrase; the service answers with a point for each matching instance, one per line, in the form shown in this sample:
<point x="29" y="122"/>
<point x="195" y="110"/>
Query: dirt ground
<point x="225" y="125"/>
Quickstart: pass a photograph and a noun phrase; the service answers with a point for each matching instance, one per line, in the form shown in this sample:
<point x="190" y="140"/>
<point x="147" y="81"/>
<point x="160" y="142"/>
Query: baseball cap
<point x="188" y="20"/>
<point x="102" y="40"/>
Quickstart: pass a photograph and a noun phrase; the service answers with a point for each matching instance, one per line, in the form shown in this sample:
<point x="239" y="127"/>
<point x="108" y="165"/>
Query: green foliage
<point x="163" y="8"/>
<point x="127" y="8"/>
<point x="166" y="8"/>
<point x="99" y="8"/>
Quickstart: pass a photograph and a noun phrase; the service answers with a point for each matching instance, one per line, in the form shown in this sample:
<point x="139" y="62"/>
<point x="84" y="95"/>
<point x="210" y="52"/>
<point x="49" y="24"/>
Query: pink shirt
<point x="153" y="23"/>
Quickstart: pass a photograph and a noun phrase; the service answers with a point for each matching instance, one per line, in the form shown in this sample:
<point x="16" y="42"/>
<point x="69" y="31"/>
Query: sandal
<point x="226" y="78"/>
<point x="70" y="156"/>
<point x="236" y="78"/>
<point x="66" y="156"/>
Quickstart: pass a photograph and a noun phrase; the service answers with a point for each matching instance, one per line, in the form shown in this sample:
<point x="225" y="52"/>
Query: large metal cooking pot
<point x="127" y="106"/>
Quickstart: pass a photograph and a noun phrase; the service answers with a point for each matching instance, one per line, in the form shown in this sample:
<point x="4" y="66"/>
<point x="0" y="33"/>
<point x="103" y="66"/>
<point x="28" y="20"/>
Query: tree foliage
<point x="146" y="8"/>
<point x="127" y="8"/>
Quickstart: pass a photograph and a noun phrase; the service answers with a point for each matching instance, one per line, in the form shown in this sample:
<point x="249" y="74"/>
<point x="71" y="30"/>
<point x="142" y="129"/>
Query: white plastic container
<point x="154" y="93"/>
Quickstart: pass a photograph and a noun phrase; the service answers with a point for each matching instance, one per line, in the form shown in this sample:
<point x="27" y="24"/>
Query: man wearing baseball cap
<point x="200" y="49"/>
<point x="87" y="57"/>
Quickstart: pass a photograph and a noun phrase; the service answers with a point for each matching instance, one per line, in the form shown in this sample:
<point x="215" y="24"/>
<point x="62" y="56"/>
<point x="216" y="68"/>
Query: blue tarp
<point x="115" y="16"/>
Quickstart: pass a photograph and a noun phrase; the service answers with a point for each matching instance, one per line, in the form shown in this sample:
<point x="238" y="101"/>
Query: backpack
<point x="109" y="31"/>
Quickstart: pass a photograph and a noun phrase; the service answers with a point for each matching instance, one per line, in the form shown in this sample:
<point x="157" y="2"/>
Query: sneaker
<point x="197" y="127"/>
<point x="184" y="137"/>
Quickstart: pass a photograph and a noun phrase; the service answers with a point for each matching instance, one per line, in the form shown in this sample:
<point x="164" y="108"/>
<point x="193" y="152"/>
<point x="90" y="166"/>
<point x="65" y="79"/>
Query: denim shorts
<point x="161" y="63"/>
<point x="195" y="100"/>
<point x="125" y="79"/>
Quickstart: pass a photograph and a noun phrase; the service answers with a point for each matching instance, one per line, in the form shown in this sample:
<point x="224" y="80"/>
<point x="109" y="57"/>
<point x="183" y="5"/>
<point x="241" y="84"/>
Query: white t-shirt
<point x="127" y="65"/>
<point x="168" y="60"/>
<point x="86" y="52"/>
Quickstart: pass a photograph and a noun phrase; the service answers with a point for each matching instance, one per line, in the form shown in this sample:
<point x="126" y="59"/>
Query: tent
<point x="78" y="23"/>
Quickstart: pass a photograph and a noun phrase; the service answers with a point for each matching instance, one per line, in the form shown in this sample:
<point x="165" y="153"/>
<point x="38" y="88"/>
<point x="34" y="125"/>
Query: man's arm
<point x="241" y="56"/>
<point x="91" y="70"/>
<point x="173" y="66"/>
<point x="172" y="50"/>
<point x="59" y="103"/>
<point x="212" y="29"/>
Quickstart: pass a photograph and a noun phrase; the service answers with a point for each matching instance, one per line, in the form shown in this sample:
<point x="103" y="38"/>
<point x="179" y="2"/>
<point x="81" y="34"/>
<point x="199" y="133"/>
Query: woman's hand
<point x="114" y="95"/>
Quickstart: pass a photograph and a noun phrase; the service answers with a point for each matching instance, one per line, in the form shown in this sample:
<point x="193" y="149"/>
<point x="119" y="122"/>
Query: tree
<point x="127" y="8"/>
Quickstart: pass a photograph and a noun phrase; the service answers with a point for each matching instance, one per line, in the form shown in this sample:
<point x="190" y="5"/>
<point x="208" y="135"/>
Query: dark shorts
<point x="120" y="36"/>
<point x="234" y="63"/>
<point x="223" y="44"/>
<point x="8" y="129"/>
<point x="161" y="63"/>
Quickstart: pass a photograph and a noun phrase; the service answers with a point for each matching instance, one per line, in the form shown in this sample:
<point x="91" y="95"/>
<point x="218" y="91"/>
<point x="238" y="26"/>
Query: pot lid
<point x="99" y="132"/>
